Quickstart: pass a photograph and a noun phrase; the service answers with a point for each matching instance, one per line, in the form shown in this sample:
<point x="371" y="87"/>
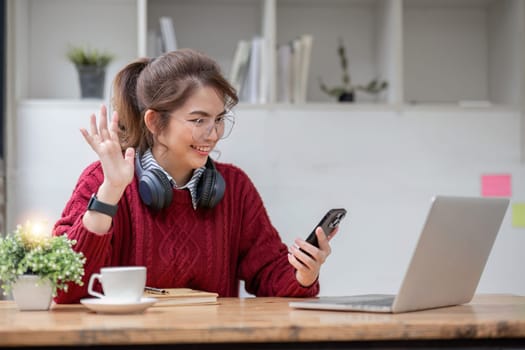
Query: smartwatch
<point x="101" y="207"/>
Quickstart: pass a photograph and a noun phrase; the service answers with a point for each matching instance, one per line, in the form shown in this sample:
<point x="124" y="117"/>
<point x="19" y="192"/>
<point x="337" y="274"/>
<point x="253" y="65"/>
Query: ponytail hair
<point x="163" y="84"/>
<point x="125" y="102"/>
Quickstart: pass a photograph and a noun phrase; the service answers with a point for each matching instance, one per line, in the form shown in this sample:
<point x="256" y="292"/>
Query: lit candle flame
<point x="34" y="234"/>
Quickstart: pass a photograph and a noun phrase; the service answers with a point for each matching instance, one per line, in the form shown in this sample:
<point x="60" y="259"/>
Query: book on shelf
<point x="306" y="51"/>
<point x="167" y="31"/>
<point x="296" y="70"/>
<point x="301" y="51"/>
<point x="250" y="91"/>
<point x="240" y="64"/>
<point x="181" y="296"/>
<point x="264" y="69"/>
<point x="293" y="68"/>
<point x="284" y="73"/>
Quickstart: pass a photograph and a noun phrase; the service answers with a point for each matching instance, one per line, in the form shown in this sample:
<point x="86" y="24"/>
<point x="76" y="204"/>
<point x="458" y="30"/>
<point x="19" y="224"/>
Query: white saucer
<point x="104" y="307"/>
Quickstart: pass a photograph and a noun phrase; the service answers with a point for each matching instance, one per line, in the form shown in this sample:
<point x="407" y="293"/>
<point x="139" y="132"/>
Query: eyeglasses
<point x="202" y="127"/>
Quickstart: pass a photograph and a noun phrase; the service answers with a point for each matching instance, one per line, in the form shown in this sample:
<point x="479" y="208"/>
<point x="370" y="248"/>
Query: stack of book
<point x="249" y="70"/>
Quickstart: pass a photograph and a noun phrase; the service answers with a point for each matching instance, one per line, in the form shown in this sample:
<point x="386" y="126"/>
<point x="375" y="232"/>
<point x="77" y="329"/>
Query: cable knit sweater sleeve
<point x="97" y="249"/>
<point x="263" y="257"/>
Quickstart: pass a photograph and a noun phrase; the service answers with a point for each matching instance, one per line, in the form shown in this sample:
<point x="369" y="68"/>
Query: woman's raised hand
<point x="118" y="168"/>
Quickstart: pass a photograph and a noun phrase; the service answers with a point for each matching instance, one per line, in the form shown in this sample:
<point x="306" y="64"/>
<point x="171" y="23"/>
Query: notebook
<point x="446" y="265"/>
<point x="180" y="296"/>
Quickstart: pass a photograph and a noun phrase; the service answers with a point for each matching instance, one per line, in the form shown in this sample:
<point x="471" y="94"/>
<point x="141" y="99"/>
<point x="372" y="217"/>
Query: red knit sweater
<point x="206" y="249"/>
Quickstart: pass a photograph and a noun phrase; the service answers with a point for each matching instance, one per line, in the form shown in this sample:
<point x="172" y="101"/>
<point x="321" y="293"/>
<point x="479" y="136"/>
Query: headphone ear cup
<point x="155" y="189"/>
<point x="218" y="189"/>
<point x="210" y="189"/>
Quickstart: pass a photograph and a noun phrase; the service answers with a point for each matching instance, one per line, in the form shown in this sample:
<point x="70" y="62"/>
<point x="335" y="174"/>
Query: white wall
<point x="51" y="153"/>
<point x="381" y="165"/>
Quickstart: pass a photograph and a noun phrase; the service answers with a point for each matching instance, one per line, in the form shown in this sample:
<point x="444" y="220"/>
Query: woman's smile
<point x="202" y="150"/>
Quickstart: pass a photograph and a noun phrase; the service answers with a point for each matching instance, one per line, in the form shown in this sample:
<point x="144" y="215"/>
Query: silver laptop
<point x="446" y="265"/>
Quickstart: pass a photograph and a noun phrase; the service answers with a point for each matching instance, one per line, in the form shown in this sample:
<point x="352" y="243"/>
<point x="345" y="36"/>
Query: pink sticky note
<point x="496" y="185"/>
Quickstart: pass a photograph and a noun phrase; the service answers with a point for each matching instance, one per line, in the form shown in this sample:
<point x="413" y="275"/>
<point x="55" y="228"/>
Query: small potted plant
<point x="33" y="265"/>
<point x="346" y="92"/>
<point x="91" y="66"/>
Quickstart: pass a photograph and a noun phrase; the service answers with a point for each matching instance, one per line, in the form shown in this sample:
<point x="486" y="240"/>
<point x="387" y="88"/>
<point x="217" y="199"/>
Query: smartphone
<point x="328" y="223"/>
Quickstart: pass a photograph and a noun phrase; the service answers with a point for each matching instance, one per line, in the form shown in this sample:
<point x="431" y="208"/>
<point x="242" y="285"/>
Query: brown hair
<point x="162" y="84"/>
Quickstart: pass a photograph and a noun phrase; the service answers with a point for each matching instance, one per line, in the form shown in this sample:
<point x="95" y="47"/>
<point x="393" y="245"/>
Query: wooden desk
<point x="490" y="320"/>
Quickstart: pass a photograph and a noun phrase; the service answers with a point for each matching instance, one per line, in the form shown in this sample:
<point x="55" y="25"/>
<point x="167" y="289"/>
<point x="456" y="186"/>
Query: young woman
<point x="156" y="199"/>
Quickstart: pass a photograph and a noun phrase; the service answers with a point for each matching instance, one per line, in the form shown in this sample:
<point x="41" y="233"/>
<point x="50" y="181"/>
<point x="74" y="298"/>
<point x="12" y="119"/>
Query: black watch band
<point x="101" y="207"/>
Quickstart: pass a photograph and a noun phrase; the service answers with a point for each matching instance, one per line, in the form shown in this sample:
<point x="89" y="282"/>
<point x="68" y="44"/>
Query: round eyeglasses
<point x="202" y="127"/>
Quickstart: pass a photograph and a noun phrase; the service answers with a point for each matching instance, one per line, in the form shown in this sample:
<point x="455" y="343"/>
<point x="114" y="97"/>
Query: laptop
<point x="447" y="262"/>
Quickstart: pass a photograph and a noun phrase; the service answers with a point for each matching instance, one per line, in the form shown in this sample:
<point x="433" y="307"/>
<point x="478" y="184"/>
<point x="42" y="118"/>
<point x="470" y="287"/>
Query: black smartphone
<point x="328" y="223"/>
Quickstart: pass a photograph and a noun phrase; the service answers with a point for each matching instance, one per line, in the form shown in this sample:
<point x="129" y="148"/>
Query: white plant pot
<point x="31" y="293"/>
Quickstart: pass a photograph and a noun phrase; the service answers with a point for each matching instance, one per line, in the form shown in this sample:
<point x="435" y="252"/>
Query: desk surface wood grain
<point x="259" y="320"/>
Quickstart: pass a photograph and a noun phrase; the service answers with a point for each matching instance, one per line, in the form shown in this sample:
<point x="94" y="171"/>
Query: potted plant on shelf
<point x="346" y="92"/>
<point x="33" y="265"/>
<point x="91" y="66"/>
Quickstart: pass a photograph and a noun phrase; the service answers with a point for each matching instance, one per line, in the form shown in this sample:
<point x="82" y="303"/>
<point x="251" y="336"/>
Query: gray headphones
<point x="156" y="191"/>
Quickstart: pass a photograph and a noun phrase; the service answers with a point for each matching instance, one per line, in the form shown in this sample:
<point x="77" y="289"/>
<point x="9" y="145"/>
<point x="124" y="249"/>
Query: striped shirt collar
<point x="148" y="163"/>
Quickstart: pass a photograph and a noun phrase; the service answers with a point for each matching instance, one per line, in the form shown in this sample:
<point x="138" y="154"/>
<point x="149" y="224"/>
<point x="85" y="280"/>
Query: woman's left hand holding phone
<point x="118" y="168"/>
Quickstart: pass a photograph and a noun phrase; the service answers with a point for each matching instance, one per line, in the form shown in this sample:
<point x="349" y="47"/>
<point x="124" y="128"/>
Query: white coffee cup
<point x="120" y="284"/>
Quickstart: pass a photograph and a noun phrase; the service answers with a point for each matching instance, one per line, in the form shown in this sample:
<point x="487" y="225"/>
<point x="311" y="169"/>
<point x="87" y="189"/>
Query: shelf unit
<point x="439" y="51"/>
<point x="373" y="27"/>
<point x="433" y="53"/>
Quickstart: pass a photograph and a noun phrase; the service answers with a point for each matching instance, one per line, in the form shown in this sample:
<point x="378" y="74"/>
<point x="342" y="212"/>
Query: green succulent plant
<point x="81" y="56"/>
<point x="27" y="252"/>
<point x="373" y="87"/>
